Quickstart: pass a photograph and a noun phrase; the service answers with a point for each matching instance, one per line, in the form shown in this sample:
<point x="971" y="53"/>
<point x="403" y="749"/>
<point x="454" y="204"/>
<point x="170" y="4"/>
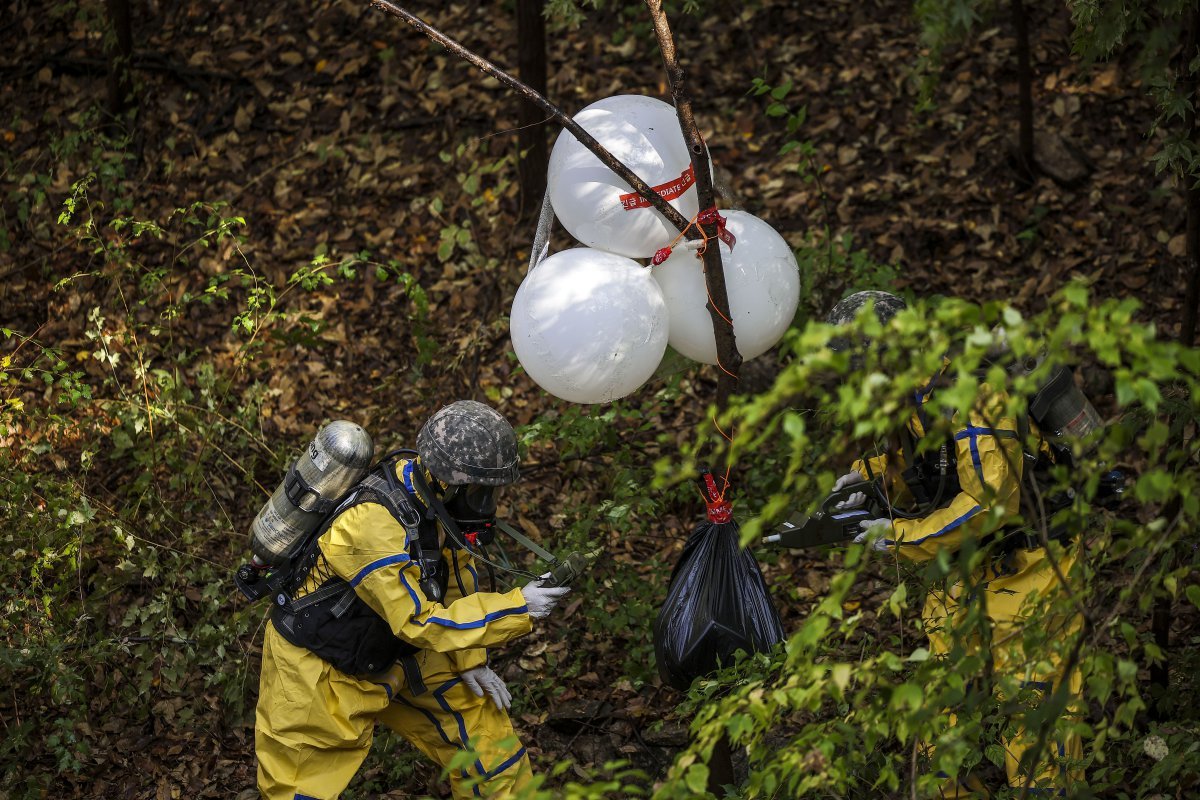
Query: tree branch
<point x="729" y="360"/>
<point x="608" y="159"/>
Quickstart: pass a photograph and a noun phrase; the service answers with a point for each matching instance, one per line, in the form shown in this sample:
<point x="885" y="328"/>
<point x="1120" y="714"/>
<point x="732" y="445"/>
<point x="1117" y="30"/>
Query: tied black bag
<point x="717" y="602"/>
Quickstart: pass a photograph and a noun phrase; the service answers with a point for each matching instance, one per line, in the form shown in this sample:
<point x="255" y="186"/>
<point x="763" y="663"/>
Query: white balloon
<point x="593" y="203"/>
<point x="589" y="326"/>
<point x="761" y="278"/>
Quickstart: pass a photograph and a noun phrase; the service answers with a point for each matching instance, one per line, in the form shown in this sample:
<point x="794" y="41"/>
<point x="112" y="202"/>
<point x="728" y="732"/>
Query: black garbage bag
<point x="717" y="602"/>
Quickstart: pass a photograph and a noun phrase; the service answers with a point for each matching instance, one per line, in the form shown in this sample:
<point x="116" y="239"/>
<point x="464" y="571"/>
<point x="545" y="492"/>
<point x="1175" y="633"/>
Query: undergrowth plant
<point x="129" y="461"/>
<point x="855" y="702"/>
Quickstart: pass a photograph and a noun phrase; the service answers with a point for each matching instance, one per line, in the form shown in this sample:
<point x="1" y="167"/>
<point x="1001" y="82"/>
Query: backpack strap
<point x="286" y="580"/>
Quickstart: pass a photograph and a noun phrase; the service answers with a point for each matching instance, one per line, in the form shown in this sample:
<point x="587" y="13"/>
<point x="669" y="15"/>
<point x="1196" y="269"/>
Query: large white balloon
<point x="589" y="326"/>
<point x="763" y="282"/>
<point x="601" y="210"/>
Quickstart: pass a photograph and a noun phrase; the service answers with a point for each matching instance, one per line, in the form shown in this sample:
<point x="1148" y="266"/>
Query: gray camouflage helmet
<point x="468" y="442"/>
<point x="887" y="305"/>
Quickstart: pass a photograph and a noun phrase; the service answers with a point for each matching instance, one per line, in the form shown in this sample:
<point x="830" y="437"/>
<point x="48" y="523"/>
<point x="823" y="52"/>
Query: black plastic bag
<point x="717" y="604"/>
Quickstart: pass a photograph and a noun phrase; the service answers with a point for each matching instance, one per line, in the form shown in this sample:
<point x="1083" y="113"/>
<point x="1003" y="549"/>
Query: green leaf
<point x="896" y="601"/>
<point x="840" y="675"/>
<point x="907" y="695"/>
<point x="696" y="779"/>
<point x="1193" y="594"/>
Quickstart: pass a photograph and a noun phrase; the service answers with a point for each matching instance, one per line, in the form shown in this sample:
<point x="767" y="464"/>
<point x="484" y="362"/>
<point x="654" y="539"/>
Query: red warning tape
<point x="668" y="191"/>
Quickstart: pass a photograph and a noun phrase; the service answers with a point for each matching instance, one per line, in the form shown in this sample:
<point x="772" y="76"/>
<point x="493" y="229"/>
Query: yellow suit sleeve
<point x="464" y="581"/>
<point x="871" y="467"/>
<point x="989" y="475"/>
<point x="368" y="548"/>
<point x="877" y="466"/>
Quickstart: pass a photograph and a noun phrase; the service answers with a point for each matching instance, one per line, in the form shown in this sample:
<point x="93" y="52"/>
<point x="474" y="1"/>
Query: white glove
<point x="482" y="679"/>
<point x="541" y="600"/>
<point x="857" y="498"/>
<point x="874" y="533"/>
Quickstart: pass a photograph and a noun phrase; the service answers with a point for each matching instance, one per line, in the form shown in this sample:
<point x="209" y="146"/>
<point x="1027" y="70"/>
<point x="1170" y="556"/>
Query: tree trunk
<point x="1161" y="615"/>
<point x="120" y="59"/>
<point x="1025" y="156"/>
<point x="531" y="131"/>
<point x="1187" y="329"/>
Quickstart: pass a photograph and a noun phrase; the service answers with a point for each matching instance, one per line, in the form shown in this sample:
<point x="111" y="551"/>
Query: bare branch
<point x="585" y="138"/>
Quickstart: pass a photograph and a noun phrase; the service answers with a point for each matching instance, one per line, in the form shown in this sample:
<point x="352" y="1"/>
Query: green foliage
<point x="946" y="22"/>
<point x="943" y="24"/>
<point x="1156" y="34"/>
<point x="847" y="706"/>
<point x="125" y="459"/>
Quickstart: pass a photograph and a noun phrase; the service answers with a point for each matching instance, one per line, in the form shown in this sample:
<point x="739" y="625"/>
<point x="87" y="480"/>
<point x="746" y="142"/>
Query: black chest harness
<point x="331" y="620"/>
<point x="931" y="476"/>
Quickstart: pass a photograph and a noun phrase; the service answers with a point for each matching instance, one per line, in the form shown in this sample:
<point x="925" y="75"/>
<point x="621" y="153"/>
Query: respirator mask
<point x="473" y="507"/>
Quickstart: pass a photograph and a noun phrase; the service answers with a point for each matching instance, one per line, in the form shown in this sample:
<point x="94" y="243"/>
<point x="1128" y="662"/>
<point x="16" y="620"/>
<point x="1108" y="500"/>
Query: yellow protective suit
<point x="989" y="457"/>
<point x="314" y="724"/>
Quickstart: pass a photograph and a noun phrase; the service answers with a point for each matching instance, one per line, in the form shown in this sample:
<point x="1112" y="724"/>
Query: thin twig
<point x="912" y="780"/>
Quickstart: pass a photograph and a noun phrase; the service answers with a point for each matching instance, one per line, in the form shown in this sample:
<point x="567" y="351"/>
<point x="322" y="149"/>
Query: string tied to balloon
<point x="710" y="216"/>
<point x="716" y="506"/>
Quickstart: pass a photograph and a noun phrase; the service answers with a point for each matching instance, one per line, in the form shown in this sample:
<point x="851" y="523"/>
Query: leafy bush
<point x="852" y="699"/>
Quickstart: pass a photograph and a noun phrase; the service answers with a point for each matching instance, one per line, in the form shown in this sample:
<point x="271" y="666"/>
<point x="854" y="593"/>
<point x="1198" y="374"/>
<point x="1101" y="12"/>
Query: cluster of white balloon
<point x="591" y="324"/>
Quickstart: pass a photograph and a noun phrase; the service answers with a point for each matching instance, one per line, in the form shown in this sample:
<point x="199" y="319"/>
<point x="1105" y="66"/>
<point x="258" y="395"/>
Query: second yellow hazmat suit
<point x="989" y="472"/>
<point x="314" y="723"/>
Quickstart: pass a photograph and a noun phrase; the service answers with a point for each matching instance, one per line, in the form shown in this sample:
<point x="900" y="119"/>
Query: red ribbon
<point x="710" y="216"/>
<point x="718" y="508"/>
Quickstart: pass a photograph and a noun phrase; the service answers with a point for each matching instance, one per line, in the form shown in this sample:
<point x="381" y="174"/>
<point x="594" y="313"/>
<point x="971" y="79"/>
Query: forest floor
<point x="335" y="130"/>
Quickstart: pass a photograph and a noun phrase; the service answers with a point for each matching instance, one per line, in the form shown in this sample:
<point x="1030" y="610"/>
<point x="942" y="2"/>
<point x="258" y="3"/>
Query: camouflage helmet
<point x="468" y="442"/>
<point x="887" y="305"/>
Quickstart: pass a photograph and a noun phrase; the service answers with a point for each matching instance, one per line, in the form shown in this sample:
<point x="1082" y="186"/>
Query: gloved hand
<point x="482" y="679"/>
<point x="541" y="600"/>
<point x="857" y="498"/>
<point x="874" y="533"/>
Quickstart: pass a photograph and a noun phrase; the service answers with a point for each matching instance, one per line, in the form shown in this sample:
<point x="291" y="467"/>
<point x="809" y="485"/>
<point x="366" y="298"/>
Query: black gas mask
<point x="473" y="507"/>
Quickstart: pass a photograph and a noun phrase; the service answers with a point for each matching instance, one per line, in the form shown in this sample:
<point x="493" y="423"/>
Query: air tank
<point x="336" y="459"/>
<point x="1060" y="409"/>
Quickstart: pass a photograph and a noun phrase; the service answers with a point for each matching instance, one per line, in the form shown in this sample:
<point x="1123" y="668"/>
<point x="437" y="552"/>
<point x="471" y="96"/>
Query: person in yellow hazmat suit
<point x="388" y="624"/>
<point x="983" y="462"/>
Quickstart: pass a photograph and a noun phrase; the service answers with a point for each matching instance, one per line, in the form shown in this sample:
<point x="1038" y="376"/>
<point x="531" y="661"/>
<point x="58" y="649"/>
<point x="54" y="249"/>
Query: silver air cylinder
<point x="1060" y="409"/>
<point x="334" y="461"/>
